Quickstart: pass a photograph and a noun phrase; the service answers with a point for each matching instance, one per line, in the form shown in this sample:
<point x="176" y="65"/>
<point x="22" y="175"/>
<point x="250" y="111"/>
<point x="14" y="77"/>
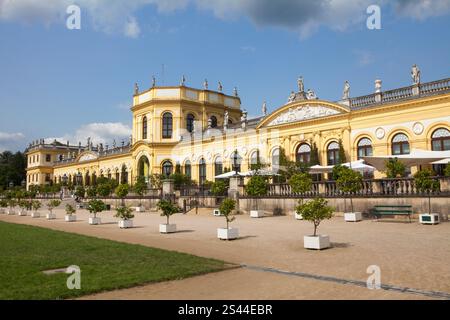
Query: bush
<point x="70" y="210"/>
<point x="315" y="211"/>
<point x="80" y="192"/>
<point x="96" y="206"/>
<point x="3" y="203"/>
<point x="256" y="186"/>
<point x="122" y="190"/>
<point x="104" y="189"/>
<point x="12" y="203"/>
<point x="226" y="207"/>
<point x="447" y="170"/>
<point x="218" y="188"/>
<point x="180" y="179"/>
<point x="53" y="204"/>
<point x="91" y="192"/>
<point x="124" y="213"/>
<point x="167" y="208"/>
<point x="395" y="168"/>
<point x="36" y="205"/>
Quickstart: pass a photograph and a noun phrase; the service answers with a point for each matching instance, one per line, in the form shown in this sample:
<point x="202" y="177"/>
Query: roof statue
<point x="346" y="93"/>
<point x="415" y="74"/>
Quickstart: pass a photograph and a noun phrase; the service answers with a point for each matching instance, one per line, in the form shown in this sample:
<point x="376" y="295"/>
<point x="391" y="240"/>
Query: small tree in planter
<point x="23" y="205"/>
<point x="91" y="192"/>
<point x="395" y="168"/>
<point x="424" y="183"/>
<point x="218" y="188"/>
<point x="140" y="188"/>
<point x="3" y="205"/>
<point x="256" y="187"/>
<point x="95" y="206"/>
<point x="350" y="182"/>
<point x="35" y="205"/>
<point x="80" y="193"/>
<point x="226" y="207"/>
<point x="122" y="191"/>
<point x="167" y="209"/>
<point x="300" y="183"/>
<point x="51" y="205"/>
<point x="125" y="215"/>
<point x="70" y="213"/>
<point x="316" y="211"/>
<point x="11" y="204"/>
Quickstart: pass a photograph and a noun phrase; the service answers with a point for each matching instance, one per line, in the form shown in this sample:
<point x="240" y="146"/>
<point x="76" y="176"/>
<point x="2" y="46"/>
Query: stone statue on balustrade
<point x="415" y="74"/>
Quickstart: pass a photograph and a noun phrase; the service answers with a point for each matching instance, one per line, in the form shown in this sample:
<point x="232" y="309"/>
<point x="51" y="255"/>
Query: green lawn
<point x="105" y="265"/>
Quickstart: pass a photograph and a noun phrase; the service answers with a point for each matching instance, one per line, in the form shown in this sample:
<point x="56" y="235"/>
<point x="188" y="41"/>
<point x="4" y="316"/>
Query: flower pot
<point x="22" y="212"/>
<point x="124" y="224"/>
<point x="429" y="218"/>
<point x="70" y="218"/>
<point x="95" y="221"/>
<point x="167" y="228"/>
<point x="316" y="242"/>
<point x="35" y="214"/>
<point x="352" y="216"/>
<point x="140" y="209"/>
<point x="227" y="234"/>
<point x="256" y="213"/>
<point x="298" y="216"/>
<point x="50" y="216"/>
<point x="216" y="212"/>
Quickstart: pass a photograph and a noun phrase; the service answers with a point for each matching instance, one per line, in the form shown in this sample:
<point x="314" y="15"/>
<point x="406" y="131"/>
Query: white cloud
<point x="301" y="16"/>
<point x="363" y="57"/>
<point x="104" y="133"/>
<point x="11" y="141"/>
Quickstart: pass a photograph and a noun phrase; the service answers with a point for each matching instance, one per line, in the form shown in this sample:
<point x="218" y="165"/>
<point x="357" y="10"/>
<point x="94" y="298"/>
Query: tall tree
<point x="12" y="168"/>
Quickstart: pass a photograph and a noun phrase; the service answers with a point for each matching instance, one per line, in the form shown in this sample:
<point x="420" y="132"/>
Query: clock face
<point x="379" y="133"/>
<point x="418" y="128"/>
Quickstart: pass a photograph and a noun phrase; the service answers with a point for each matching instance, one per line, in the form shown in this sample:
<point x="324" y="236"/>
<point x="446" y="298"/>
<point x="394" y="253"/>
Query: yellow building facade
<point x="204" y="131"/>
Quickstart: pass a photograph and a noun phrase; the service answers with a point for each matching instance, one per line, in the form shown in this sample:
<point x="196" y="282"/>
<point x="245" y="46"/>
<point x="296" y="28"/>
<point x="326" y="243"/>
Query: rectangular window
<point x="48" y="158"/>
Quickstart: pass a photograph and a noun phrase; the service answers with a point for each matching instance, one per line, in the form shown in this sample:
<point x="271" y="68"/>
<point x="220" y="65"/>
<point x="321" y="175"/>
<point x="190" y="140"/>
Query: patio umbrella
<point x="259" y="172"/>
<point x="443" y="161"/>
<point x="415" y="158"/>
<point x="358" y="165"/>
<point x="227" y="175"/>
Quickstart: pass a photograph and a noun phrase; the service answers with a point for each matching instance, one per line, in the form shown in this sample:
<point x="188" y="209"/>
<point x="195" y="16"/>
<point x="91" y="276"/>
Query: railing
<point x="195" y="191"/>
<point x="400" y="93"/>
<point x="101" y="154"/>
<point x="370" y="187"/>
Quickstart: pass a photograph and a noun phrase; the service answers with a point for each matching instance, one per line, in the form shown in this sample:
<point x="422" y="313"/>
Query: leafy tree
<point x="91" y="192"/>
<point x="140" y="188"/>
<point x="315" y="211"/>
<point x="3" y="203"/>
<point x="12" y="168"/>
<point x="156" y="180"/>
<point x="342" y="156"/>
<point x="70" y="210"/>
<point x="104" y="189"/>
<point x="96" y="206"/>
<point x="12" y="203"/>
<point x="349" y="182"/>
<point x="80" y="192"/>
<point x="314" y="159"/>
<point x="256" y="186"/>
<point x="218" y="188"/>
<point x="53" y="204"/>
<point x="424" y="183"/>
<point x="395" y="168"/>
<point x="447" y="170"/>
<point x="300" y="183"/>
<point x="180" y="180"/>
<point x="226" y="207"/>
<point x="122" y="191"/>
<point x="124" y="213"/>
<point x="167" y="208"/>
<point x="36" y="205"/>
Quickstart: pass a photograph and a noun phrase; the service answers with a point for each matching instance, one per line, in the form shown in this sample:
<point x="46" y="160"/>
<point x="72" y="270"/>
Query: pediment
<point x="87" y="156"/>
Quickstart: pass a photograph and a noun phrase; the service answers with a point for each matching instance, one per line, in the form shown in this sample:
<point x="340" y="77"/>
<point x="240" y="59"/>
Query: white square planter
<point x="298" y="216"/>
<point x="256" y="213"/>
<point x="35" y="215"/>
<point x="167" y="228"/>
<point x="124" y="224"/>
<point x="50" y="216"/>
<point x="22" y="213"/>
<point x="429" y="218"/>
<point x="318" y="242"/>
<point x="11" y="212"/>
<point x="140" y="209"/>
<point x="70" y="218"/>
<point x="227" y="234"/>
<point x="216" y="212"/>
<point x="2" y="211"/>
<point x="95" y="221"/>
<point x="352" y="216"/>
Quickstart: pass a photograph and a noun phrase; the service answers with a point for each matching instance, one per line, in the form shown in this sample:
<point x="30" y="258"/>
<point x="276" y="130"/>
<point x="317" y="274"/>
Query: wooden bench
<point x="392" y="210"/>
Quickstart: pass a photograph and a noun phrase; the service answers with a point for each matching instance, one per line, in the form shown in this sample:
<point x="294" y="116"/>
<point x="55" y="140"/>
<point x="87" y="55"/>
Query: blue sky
<point x="71" y="84"/>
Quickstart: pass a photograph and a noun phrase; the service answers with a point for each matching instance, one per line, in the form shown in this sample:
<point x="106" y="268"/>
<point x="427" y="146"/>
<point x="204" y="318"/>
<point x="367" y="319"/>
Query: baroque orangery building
<point x="203" y="132"/>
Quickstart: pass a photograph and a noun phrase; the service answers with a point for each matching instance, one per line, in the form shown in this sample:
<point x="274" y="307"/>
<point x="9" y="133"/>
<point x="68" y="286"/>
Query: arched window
<point x="87" y="179"/>
<point x="303" y="154"/>
<point x="167" y="168"/>
<point x="400" y="144"/>
<point x="254" y="161"/>
<point x="143" y="167"/>
<point x="236" y="161"/>
<point x="109" y="174"/>
<point x="440" y="140"/>
<point x="167" y="125"/>
<point x="276" y="159"/>
<point x="144" y="127"/>
<point x="187" y="168"/>
<point x="124" y="175"/>
<point x="364" y="148"/>
<point x="201" y="171"/>
<point x="117" y="175"/>
<point x="218" y="166"/>
<point x="190" y="122"/>
<point x="213" y="121"/>
<point x="333" y="153"/>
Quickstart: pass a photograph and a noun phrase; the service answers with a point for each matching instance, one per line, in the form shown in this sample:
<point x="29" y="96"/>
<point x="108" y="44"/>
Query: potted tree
<point x="218" y="188"/>
<point x="226" y="207"/>
<point x="70" y="213"/>
<point x="51" y="205"/>
<point x="23" y="205"/>
<point x="424" y="183"/>
<point x="350" y="182"/>
<point x="315" y="211"/>
<point x="140" y="188"/>
<point x="11" y="204"/>
<point x="167" y="209"/>
<point x="256" y="187"/>
<point x="104" y="189"/>
<point x="300" y="183"/>
<point x="95" y="206"/>
<point x="125" y="215"/>
<point x="35" y="205"/>
<point x="80" y="192"/>
<point x="122" y="191"/>
<point x="3" y="205"/>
